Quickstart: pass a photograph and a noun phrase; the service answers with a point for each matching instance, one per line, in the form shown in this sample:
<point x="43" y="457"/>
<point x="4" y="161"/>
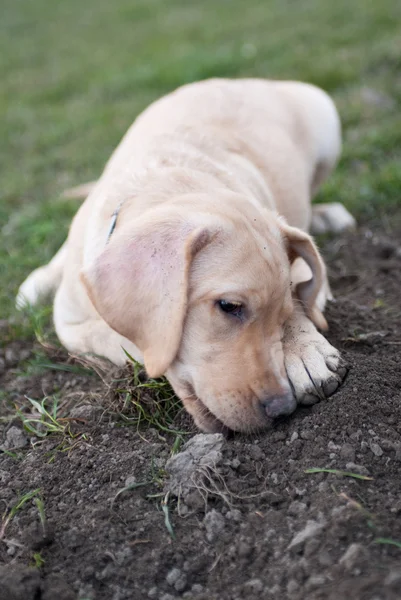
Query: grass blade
<point x="39" y="407"/>
<point x="388" y="541"/>
<point x="339" y="472"/>
<point x="166" y="512"/>
<point x="19" y="504"/>
<point x="132" y="486"/>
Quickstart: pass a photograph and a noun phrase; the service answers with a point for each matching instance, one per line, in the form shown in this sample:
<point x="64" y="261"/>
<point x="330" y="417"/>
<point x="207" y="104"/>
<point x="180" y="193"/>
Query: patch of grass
<point x="35" y="495"/>
<point x="178" y="442"/>
<point x="66" y="105"/>
<point x="145" y="402"/>
<point x="37" y="560"/>
<point x="40" y="362"/>
<point x="8" y="517"/>
<point x="38" y="320"/>
<point x="44" y="418"/>
<point x="156" y="479"/>
<point x="32" y="322"/>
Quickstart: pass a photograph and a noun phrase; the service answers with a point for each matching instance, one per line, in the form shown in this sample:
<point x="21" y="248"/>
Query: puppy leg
<point x="83" y="332"/>
<point x="42" y="282"/>
<point x="97" y="338"/>
<point x="327" y="132"/>
<point x="331" y="218"/>
<point x="314" y="368"/>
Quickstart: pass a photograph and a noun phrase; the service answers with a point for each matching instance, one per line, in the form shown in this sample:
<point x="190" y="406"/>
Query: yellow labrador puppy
<point x="191" y="251"/>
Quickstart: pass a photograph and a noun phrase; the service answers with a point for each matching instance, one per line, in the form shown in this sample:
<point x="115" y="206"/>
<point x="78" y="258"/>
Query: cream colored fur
<point x="213" y="186"/>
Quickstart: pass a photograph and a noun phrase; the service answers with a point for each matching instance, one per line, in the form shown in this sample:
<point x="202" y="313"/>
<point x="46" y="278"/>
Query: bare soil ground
<point x="260" y="526"/>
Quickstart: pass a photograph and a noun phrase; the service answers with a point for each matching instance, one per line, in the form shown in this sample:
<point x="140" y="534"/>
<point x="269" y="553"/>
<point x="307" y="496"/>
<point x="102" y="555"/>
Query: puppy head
<point x="205" y="299"/>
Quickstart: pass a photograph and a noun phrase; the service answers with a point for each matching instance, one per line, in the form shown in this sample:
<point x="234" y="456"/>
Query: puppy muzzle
<point x="278" y="405"/>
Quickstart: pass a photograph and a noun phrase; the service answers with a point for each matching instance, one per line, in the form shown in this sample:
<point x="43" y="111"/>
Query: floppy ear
<point x="139" y="286"/>
<point x="300" y="244"/>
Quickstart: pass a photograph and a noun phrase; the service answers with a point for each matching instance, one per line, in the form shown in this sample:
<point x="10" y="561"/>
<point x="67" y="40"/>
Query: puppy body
<point x="199" y="187"/>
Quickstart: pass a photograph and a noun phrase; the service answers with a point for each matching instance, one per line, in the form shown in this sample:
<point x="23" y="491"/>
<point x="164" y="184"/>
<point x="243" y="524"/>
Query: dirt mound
<point x="263" y="518"/>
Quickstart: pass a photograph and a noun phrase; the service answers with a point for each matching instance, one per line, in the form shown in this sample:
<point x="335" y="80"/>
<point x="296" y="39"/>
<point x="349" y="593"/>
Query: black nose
<point x="279" y="404"/>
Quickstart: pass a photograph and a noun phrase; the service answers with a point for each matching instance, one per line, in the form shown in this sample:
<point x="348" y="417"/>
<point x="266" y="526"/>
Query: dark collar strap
<point x="113" y="223"/>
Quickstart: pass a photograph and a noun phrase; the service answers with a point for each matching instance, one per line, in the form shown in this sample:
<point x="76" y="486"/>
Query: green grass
<point x="44" y="418"/>
<point x="388" y="542"/>
<point x="145" y="402"/>
<point x="340" y="473"/>
<point x="10" y="513"/>
<point x="74" y="75"/>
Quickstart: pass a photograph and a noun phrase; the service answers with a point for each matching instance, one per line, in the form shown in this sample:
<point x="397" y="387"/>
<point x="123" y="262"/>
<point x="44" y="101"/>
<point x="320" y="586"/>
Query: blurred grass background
<point x="75" y="74"/>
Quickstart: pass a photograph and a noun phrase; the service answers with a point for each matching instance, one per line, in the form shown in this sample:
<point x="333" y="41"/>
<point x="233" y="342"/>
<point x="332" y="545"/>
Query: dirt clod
<point x="311" y="529"/>
<point x="17" y="584"/>
<point x="15" y="439"/>
<point x="352" y="556"/>
<point x="214" y="523"/>
<point x="202" y="452"/>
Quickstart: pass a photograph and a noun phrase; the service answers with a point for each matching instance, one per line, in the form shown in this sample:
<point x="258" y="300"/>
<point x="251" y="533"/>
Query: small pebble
<point x="177" y="579"/>
<point x="256" y="453"/>
<point x="377" y="451"/>
<point x="354" y="468"/>
<point x="356" y="436"/>
<point x="292" y="586"/>
<point x="311" y="529"/>
<point x="214" y="524"/>
<point x="234" y="515"/>
<point x="173" y="575"/>
<point x="197" y="588"/>
<point x="254" y="585"/>
<point x="388" y="445"/>
<point x="347" y="452"/>
<point x="15" y="438"/>
<point x="130" y="480"/>
<point x="352" y="556"/>
<point x="332" y="446"/>
<point x="296" y="508"/>
<point x="315" y="581"/>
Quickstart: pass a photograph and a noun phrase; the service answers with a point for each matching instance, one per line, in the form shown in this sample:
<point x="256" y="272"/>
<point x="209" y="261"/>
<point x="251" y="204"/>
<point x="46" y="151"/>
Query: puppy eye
<point x="232" y="308"/>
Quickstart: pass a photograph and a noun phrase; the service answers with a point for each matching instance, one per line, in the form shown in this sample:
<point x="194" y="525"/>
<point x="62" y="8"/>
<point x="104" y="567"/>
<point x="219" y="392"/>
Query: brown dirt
<point x="94" y="548"/>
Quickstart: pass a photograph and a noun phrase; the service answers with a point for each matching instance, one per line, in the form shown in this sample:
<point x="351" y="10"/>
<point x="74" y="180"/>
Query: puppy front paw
<point x="314" y="367"/>
<point x="36" y="287"/>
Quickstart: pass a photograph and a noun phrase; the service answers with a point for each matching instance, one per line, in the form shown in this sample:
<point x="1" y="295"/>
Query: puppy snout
<point x="279" y="404"/>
